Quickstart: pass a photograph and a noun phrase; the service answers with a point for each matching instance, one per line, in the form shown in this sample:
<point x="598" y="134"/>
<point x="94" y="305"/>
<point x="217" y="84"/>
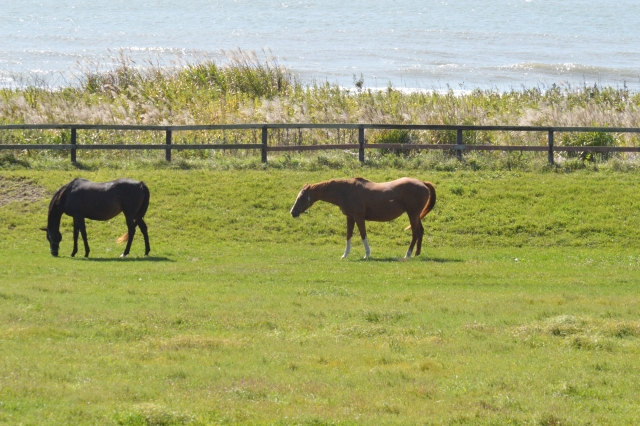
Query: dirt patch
<point x="20" y="189"/>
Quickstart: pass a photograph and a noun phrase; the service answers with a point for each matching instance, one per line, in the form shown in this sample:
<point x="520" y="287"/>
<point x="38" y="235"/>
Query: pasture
<point x="523" y="308"/>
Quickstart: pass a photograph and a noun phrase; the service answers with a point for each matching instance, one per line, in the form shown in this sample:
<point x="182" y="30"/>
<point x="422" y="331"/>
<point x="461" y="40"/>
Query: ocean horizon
<point x="460" y="45"/>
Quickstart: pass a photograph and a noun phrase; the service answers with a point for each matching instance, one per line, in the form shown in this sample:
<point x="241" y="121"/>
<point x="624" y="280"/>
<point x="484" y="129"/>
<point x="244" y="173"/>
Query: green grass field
<point x="523" y="308"/>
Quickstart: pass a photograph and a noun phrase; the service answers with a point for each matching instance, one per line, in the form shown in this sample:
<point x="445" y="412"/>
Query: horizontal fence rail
<point x="459" y="147"/>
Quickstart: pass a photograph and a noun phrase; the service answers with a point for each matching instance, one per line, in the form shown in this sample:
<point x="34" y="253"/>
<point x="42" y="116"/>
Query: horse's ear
<point x="43" y="229"/>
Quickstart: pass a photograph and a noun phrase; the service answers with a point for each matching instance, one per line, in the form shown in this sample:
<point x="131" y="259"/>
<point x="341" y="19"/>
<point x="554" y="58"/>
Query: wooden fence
<point x="459" y="147"/>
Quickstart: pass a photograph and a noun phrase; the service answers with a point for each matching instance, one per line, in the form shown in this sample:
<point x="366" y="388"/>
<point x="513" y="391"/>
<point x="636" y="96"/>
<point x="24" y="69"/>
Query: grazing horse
<point x="360" y="199"/>
<point x="82" y="199"/>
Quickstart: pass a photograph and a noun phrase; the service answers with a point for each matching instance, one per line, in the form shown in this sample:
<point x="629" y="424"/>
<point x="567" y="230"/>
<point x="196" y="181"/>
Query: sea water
<point x="409" y="44"/>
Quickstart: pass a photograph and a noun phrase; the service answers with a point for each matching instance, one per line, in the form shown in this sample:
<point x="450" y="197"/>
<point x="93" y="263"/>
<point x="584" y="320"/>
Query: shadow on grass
<point x="413" y="259"/>
<point x="439" y="260"/>
<point x="87" y="167"/>
<point x="128" y="259"/>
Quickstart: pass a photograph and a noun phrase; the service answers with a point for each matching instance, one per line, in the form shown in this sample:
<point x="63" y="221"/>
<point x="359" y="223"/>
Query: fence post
<point x="459" y="143"/>
<point x="167" y="152"/>
<point x="551" y="147"/>
<point x="74" y="140"/>
<point x="361" y="143"/>
<point x="265" y="139"/>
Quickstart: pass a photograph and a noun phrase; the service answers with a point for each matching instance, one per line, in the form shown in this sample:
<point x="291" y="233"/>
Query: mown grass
<point x="523" y="308"/>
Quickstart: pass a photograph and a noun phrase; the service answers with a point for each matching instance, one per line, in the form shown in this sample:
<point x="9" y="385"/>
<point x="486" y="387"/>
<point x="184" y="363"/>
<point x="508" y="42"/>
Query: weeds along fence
<point x="311" y="137"/>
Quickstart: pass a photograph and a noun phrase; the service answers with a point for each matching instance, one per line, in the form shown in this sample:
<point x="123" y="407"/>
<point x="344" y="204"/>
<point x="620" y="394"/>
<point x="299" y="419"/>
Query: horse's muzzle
<point x="295" y="213"/>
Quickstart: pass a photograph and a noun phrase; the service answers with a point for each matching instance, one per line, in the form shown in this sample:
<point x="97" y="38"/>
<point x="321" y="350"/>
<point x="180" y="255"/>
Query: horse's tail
<point x="141" y="211"/>
<point x="145" y="202"/>
<point x="430" y="202"/>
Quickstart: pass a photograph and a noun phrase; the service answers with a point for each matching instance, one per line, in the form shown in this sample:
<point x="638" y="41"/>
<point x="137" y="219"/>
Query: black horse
<point x="82" y="199"/>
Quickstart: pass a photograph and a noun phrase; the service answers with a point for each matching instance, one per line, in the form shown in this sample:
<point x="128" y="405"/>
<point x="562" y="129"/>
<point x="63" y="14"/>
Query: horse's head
<point x="54" y="238"/>
<point x="303" y="202"/>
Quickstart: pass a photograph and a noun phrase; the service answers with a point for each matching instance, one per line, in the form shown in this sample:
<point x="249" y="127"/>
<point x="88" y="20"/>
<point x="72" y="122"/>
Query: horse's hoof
<point x="122" y="256"/>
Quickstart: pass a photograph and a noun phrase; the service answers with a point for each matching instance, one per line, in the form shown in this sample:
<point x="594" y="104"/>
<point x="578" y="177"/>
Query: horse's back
<point x="384" y="201"/>
<point x="407" y="182"/>
<point x="404" y="186"/>
<point x="104" y="200"/>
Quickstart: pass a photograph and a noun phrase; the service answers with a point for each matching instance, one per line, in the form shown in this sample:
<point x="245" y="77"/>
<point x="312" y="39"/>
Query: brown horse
<point x="360" y="200"/>
<point x="82" y="199"/>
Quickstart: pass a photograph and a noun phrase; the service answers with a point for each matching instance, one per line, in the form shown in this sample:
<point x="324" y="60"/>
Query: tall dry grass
<point x="252" y="88"/>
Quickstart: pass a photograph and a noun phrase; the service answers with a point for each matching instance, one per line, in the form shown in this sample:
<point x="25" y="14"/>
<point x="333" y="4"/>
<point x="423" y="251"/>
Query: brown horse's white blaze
<point x="360" y="200"/>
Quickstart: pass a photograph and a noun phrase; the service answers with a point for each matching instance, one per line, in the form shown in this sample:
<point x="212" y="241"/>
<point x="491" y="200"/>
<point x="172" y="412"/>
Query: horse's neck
<point x="56" y="208"/>
<point x="55" y="215"/>
<point x="330" y="192"/>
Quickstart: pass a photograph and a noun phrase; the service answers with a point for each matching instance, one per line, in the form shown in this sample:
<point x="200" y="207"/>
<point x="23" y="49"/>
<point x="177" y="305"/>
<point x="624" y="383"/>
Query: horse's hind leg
<point x="420" y="235"/>
<point x="143" y="229"/>
<point x="415" y="236"/>
<point x="131" y="227"/>
<point x="350" y="224"/>
<point x="83" y="232"/>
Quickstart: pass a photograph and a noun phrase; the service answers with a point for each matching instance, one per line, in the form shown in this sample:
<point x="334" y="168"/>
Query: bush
<point x="400" y="136"/>
<point x="588" y="139"/>
<point x="9" y="159"/>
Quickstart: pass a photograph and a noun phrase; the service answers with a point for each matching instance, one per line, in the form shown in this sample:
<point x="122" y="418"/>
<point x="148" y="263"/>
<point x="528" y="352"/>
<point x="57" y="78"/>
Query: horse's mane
<point x="57" y="197"/>
<point x="321" y="185"/>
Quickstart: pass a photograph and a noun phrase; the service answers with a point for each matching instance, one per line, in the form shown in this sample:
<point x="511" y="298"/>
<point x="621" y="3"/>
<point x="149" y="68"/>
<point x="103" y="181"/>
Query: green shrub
<point x="399" y="136"/>
<point x="588" y="139"/>
<point x="9" y="159"/>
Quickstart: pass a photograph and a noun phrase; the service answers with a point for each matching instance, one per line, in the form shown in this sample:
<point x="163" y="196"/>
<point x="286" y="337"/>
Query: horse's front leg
<point x="76" y="230"/>
<point x="350" y="224"/>
<point x="363" y="234"/>
<point x="83" y="232"/>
